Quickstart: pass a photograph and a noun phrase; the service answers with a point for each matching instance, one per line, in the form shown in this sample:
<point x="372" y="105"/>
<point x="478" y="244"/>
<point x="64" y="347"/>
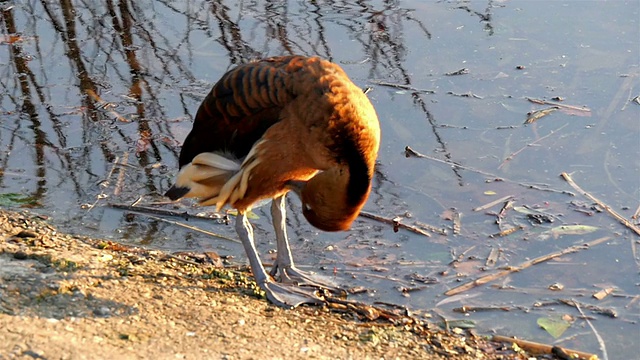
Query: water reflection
<point x="80" y="72"/>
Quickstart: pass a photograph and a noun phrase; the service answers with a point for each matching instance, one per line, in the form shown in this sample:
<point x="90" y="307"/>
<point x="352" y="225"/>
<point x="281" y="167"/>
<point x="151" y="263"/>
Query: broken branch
<point x="611" y="212"/>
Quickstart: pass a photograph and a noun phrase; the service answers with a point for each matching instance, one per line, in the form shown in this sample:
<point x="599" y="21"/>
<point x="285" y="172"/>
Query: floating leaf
<point x="554" y="326"/>
<point x="572" y="230"/>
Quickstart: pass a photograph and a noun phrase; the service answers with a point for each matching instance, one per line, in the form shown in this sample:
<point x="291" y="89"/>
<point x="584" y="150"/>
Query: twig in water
<point x="611" y="212"/>
<point x="460" y="257"/>
<point x="492" y="259"/>
<point x="507" y="232"/>
<point x="151" y="210"/>
<point x="490" y="277"/>
<point x="462" y="71"/>
<point x="187" y="227"/>
<point x="493" y="203"/>
<point x="538" y="348"/>
<point x="603" y="347"/>
<point x="431" y="228"/>
<point x="395" y="222"/>
<point x="401" y="86"/>
<point x="467" y="95"/>
<point x="510" y="157"/>
<point x="410" y="152"/>
<point x="559" y="105"/>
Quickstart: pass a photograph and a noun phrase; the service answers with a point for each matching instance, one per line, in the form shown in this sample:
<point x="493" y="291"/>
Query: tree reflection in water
<point x="93" y="92"/>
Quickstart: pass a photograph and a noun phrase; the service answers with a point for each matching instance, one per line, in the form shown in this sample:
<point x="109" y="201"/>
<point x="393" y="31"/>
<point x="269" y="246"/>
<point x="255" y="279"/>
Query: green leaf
<point x="554" y="326"/>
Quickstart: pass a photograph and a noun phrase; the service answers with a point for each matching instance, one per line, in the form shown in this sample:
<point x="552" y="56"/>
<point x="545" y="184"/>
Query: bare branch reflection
<point x="72" y="64"/>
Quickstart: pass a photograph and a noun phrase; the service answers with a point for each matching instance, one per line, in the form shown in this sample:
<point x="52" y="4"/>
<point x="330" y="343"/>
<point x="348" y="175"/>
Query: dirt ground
<point x="72" y="297"/>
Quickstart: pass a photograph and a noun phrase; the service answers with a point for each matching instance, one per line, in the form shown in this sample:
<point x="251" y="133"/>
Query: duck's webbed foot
<point x="290" y="295"/>
<point x="284" y="270"/>
<point x="290" y="274"/>
<point x="287" y="295"/>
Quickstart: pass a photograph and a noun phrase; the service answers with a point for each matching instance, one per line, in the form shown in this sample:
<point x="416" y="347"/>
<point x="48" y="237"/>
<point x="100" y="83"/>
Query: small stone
<point x="20" y="255"/>
<point x="102" y="311"/>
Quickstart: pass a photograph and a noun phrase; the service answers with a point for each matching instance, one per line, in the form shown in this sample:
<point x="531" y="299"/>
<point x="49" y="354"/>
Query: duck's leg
<point x="283" y="295"/>
<point x="284" y="267"/>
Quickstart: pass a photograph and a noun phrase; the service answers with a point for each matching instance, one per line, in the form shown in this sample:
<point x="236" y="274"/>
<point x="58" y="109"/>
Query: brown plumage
<point x="276" y="125"/>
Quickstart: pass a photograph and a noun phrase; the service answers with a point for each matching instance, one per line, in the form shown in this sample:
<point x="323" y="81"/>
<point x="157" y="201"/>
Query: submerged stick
<point x="493" y="203"/>
<point x="193" y="228"/>
<point x="395" y="222"/>
<point x="539" y="348"/>
<point x="410" y="152"/>
<point x="601" y="343"/>
<point x="510" y="157"/>
<point x="558" y="104"/>
<point x="490" y="277"/>
<point x="145" y="211"/>
<point x="401" y="86"/>
<point x="611" y="212"/>
<point x="151" y="210"/>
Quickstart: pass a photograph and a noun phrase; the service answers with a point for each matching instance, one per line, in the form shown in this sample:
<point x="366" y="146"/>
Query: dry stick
<point x="493" y="203"/>
<point x="611" y="212"/>
<point x="395" y="223"/>
<point x="188" y="227"/>
<point x="150" y="210"/>
<point x="603" y="347"/>
<point x="490" y="277"/>
<point x="412" y="152"/>
<point x="401" y="86"/>
<point x="535" y="347"/>
<point x="560" y="105"/>
<point x="510" y="157"/>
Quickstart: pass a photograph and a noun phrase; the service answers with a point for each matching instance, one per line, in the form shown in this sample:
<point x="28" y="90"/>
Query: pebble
<point x="102" y="311"/>
<point x="20" y="255"/>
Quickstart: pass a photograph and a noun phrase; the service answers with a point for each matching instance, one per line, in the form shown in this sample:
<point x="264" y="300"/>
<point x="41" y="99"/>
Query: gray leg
<point x="278" y="215"/>
<point x="283" y="295"/>
<point x="284" y="266"/>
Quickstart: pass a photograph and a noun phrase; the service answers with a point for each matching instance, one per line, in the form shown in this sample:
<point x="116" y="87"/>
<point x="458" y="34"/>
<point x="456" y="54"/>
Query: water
<point x="97" y="97"/>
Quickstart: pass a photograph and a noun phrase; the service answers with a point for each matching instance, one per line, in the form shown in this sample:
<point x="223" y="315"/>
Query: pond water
<point x="97" y="97"/>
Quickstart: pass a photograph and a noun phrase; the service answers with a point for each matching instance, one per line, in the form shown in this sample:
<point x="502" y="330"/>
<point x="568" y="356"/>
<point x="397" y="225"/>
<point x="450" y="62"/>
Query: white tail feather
<point x="216" y="161"/>
<point x="216" y="179"/>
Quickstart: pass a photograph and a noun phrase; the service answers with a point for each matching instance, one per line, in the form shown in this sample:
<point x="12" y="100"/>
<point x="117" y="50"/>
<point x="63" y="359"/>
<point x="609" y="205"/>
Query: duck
<point x="278" y="125"/>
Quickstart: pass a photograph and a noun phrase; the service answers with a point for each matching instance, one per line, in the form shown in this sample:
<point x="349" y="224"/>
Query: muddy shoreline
<point x="72" y="297"/>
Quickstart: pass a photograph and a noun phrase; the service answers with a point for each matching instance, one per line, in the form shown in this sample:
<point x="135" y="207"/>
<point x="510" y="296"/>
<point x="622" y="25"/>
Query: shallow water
<point x="97" y="97"/>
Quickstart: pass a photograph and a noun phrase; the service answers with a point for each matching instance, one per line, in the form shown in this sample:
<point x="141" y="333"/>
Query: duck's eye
<point x="307" y="207"/>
